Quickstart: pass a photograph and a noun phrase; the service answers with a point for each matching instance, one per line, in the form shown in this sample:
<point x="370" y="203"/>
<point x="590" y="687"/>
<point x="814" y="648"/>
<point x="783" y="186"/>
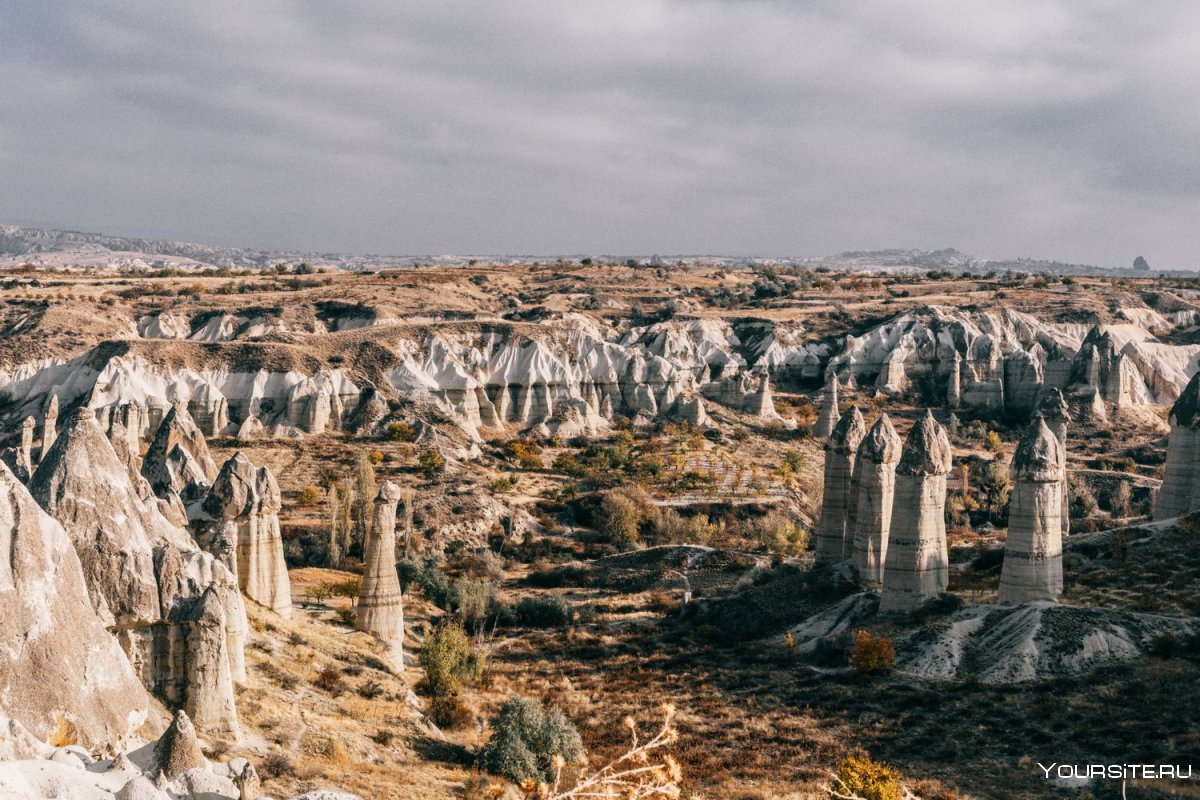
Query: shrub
<point x="546" y="611"/>
<point x="526" y="739"/>
<point x="993" y="442"/>
<point x="779" y="533"/>
<point x="870" y="654"/>
<point x="450" y="712"/>
<point x="400" y="432"/>
<point x="474" y="599"/>
<point x="449" y="660"/>
<point x="860" y="776"/>
<point x="504" y="484"/>
<point x="276" y="765"/>
<point x="375" y="457"/>
<point x="1164" y="645"/>
<point x="623" y="511"/>
<point x="526" y="452"/>
<point x="308" y="496"/>
<point x="431" y="463"/>
<point x="330" y="679"/>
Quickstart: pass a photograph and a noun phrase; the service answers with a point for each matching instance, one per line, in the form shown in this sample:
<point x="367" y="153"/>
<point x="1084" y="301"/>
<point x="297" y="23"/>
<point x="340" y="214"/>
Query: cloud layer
<point x="1003" y="127"/>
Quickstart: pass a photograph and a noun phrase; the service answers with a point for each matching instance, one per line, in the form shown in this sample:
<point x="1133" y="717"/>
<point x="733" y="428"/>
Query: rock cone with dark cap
<point x="1180" y="492"/>
<point x="1033" y="553"/>
<point x="877" y="457"/>
<point x="917" y="566"/>
<point x="841" y="465"/>
<point x="178" y="750"/>
<point x="380" y="606"/>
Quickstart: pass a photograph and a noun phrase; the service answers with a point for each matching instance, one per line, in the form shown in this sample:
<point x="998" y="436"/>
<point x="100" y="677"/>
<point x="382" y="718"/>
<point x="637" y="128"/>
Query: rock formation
<point x="1180" y="491"/>
<point x="877" y="457"/>
<point x="25" y="451"/>
<point x="1054" y="409"/>
<point x="917" y="565"/>
<point x="1033" y="553"/>
<point x="829" y="414"/>
<point x="175" y="610"/>
<point x="49" y="422"/>
<point x="243" y="532"/>
<point x="58" y="661"/>
<point x="178" y="750"/>
<point x="380" y="606"/>
<point x="178" y="463"/>
<point x="841" y="468"/>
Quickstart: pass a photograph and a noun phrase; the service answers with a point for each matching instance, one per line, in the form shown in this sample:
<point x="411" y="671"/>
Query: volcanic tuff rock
<point x="242" y="530"/>
<point x="877" y="457"/>
<point x="1180" y="492"/>
<point x="828" y="417"/>
<point x="1033" y="567"/>
<point x="58" y="660"/>
<point x="1053" y="407"/>
<point x="178" y="463"/>
<point x="380" y="605"/>
<point x="178" y="749"/>
<point x="175" y="610"/>
<point x="917" y="565"/>
<point x="841" y="487"/>
<point x="49" y="423"/>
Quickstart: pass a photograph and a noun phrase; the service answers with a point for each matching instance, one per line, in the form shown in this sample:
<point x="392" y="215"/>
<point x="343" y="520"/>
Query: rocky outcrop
<point x="1054" y="409"/>
<point x="380" y="606"/>
<point x="242" y="530"/>
<point x="840" y="492"/>
<point x="49" y="424"/>
<point x="829" y="414"/>
<point x="178" y="463"/>
<point x="178" y="750"/>
<point x="1033" y="567"/>
<point x="58" y="661"/>
<point x="175" y="610"/>
<point x="1180" y="492"/>
<point x="917" y="565"/>
<point x="25" y="449"/>
<point x="877" y="457"/>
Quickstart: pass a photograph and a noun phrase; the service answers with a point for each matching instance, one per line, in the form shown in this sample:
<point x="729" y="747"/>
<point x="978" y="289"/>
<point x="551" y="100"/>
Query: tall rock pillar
<point x="1033" y="553"/>
<point x="877" y="457"/>
<point x="827" y="418"/>
<point x="917" y="565"/>
<point x="49" y="425"/>
<point x="841" y="465"/>
<point x="1057" y="413"/>
<point x="380" y="606"/>
<point x="1180" y="491"/>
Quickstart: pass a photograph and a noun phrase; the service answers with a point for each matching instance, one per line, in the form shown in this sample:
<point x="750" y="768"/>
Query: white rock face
<point x="178" y="463"/>
<point x="1180" y="491"/>
<point x="175" y="610"/>
<point x="829" y="414"/>
<point x="49" y="424"/>
<point x="57" y="660"/>
<point x="1033" y="567"/>
<point x="240" y="526"/>
<point x="1053" y="407"/>
<point x="380" y="605"/>
<point x="917" y="565"/>
<point x="877" y="457"/>
<point x="841" y="488"/>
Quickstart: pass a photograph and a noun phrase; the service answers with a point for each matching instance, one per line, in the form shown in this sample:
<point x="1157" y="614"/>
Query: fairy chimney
<point x="1032" y="567"/>
<point x="827" y="418"/>
<point x="380" y="606"/>
<point x="877" y="457"/>
<point x="841" y="462"/>
<point x="916" y="568"/>
<point x="1180" y="491"/>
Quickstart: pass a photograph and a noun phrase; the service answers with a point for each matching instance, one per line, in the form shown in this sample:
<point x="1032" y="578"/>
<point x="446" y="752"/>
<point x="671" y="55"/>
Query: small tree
<point x="623" y="512"/>
<point x="449" y="660"/>
<point x="870" y="654"/>
<point x="529" y="742"/>
<point x="431" y="463"/>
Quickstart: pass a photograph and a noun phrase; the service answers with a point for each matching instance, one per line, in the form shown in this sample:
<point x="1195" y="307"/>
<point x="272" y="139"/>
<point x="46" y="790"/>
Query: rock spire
<point x="840" y="492"/>
<point x="380" y="605"/>
<point x="1032" y="567"/>
<point x="877" y="457"/>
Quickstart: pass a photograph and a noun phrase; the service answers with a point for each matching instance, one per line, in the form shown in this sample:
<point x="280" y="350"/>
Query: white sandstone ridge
<point x="222" y="400"/>
<point x="207" y="327"/>
<point x="572" y="376"/>
<point x="1005" y="359"/>
<point x="170" y="768"/>
<point x="175" y="610"/>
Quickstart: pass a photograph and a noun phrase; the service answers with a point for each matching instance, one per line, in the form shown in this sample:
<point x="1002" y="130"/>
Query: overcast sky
<point x="1067" y="130"/>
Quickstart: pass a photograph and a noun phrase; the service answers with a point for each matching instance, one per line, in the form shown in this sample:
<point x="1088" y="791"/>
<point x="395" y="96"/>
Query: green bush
<point x="547" y="611"/>
<point x="526" y="739"/>
<point x="474" y="599"/>
<point x="449" y="661"/>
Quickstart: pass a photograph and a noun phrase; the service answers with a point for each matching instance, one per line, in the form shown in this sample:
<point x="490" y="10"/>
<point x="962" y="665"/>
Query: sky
<point x="1057" y="129"/>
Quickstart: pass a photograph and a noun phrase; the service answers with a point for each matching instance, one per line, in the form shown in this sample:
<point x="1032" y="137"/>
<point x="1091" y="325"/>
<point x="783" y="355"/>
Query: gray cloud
<point x="1015" y="127"/>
